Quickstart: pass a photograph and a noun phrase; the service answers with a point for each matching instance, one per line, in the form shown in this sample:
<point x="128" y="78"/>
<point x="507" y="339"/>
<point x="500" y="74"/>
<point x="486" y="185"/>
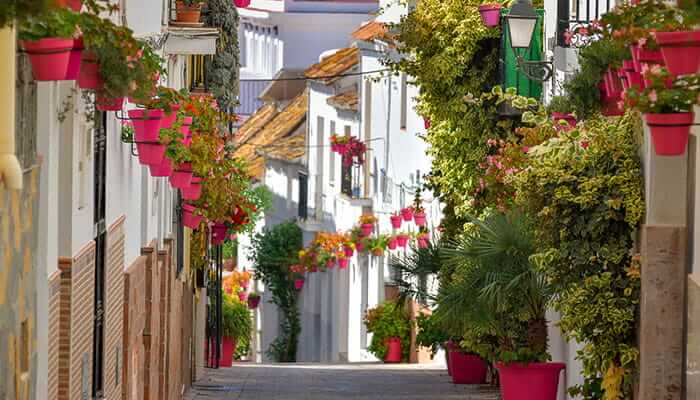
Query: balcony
<point x="193" y="38"/>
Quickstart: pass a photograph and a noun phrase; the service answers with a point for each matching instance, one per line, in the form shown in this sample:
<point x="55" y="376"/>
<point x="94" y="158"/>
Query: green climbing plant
<point x="222" y="68"/>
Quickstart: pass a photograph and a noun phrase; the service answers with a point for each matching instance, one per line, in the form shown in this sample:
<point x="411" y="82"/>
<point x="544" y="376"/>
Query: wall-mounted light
<point x="521" y="22"/>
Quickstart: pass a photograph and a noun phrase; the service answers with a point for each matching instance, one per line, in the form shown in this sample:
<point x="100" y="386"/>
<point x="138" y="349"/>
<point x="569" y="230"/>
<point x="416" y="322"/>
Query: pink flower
<point x="526" y="149"/>
<point x="642" y="42"/>
<point x="567" y="36"/>
<point x="653" y="96"/>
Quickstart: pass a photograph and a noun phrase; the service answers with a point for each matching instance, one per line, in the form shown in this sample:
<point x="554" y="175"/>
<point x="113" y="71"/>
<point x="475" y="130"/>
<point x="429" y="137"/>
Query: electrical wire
<point x="303" y="78"/>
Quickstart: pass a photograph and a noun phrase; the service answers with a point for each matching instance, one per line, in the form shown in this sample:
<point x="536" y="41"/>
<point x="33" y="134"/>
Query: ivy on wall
<point x="223" y="68"/>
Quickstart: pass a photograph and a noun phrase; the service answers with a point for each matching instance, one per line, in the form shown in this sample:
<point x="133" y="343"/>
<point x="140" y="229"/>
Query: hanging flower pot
<point x="402" y="240"/>
<point x="218" y="233"/>
<point x="422" y="243"/>
<point x="194" y="191"/>
<point x="680" y="51"/>
<point x="169" y="118"/>
<point x="378" y="252"/>
<point x="467" y="369"/>
<point x="395" y="221"/>
<point x="49" y="57"/>
<point x="243" y="296"/>
<point x="76" y="55"/>
<point x="185" y="130"/>
<point x="407" y="214"/>
<point x="349" y="251"/>
<point x="641" y="56"/>
<point x="393" y="353"/>
<point x="367" y="229"/>
<point x="490" y="14"/>
<point x="89" y="77"/>
<point x="74" y="5"/>
<point x="244" y="283"/>
<point x="253" y="302"/>
<point x="181" y="178"/>
<point x="393" y="243"/>
<point x="569" y="118"/>
<point x="241" y="3"/>
<point x="343" y="263"/>
<point x="298" y="283"/>
<point x="360" y="247"/>
<point x="151" y="153"/>
<point x="670" y="132"/>
<point x="146" y="123"/>
<point x="164" y="169"/>
<point x="634" y="79"/>
<point x="419" y="218"/>
<point x="330" y="264"/>
<point x="189" y="218"/>
<point x="109" y="104"/>
<point x="188" y="14"/>
<point x="534" y="381"/>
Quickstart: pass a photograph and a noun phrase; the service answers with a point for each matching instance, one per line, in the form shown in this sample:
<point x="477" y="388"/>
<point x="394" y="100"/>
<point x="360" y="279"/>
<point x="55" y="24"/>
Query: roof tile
<point x="345" y="101"/>
<point x="335" y="64"/>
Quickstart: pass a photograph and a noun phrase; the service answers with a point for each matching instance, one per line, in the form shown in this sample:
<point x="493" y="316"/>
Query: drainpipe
<point x="10" y="170"/>
<point x="387" y="141"/>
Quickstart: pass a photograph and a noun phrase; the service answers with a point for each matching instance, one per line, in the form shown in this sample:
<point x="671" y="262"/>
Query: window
<point x="331" y="161"/>
<point x="303" y="195"/>
<point x="404" y="101"/>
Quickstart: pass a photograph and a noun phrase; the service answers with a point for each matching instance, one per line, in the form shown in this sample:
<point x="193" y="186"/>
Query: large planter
<point x="189" y="218"/>
<point x="490" y="14"/>
<point x="188" y="14"/>
<point x="298" y="283"/>
<point x="50" y="58"/>
<point x="467" y="369"/>
<point x="681" y="51"/>
<point x="670" y="132"/>
<point x="151" y="153"/>
<point x="228" y="349"/>
<point x="76" y="55"/>
<point x="367" y="229"/>
<point x="253" y="302"/>
<point x="89" y="77"/>
<point x="569" y="118"/>
<point x="181" y="178"/>
<point x="534" y="381"/>
<point x="393" y="353"/>
<point x="194" y="191"/>
<point x="164" y="169"/>
<point x="147" y="124"/>
<point x="396" y="221"/>
<point x="419" y="218"/>
<point x="218" y="233"/>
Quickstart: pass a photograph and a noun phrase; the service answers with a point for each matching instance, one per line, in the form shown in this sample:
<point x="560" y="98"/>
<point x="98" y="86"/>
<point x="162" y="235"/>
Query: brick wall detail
<point x="114" y="311"/>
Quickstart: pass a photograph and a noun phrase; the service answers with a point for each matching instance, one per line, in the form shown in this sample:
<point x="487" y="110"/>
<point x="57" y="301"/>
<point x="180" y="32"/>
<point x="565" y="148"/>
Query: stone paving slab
<point x="334" y="382"/>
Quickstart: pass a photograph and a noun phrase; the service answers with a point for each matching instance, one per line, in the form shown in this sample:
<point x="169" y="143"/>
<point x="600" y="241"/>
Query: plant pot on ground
<point x="391" y="327"/>
<point x="562" y="110"/>
<point x="467" y="368"/>
<point x="236" y="325"/>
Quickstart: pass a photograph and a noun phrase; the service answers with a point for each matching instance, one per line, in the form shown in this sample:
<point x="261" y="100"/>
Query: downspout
<point x="10" y="170"/>
<point x="387" y="142"/>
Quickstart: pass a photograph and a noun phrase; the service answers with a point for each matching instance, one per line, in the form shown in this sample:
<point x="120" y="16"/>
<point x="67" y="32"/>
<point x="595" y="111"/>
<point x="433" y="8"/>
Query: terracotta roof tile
<point x="335" y="64"/>
<point x="255" y="122"/>
<point x="345" y="101"/>
<point x="372" y="30"/>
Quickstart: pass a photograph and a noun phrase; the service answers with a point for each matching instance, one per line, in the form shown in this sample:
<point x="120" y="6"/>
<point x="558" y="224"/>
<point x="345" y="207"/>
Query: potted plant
<point x="242" y="295"/>
<point x="253" y="300"/>
<point x="190" y="218"/>
<point x="367" y="222"/>
<point x="490" y="14"/>
<point x="667" y="110"/>
<point x="680" y="50"/>
<point x="430" y="334"/>
<point x="188" y="11"/>
<point x="396" y="220"/>
<point x="236" y="326"/>
<point x="378" y="245"/>
<point x="402" y="239"/>
<point x="48" y="40"/>
<point x="343" y="262"/>
<point x="298" y="283"/>
<point x="393" y="243"/>
<point x="339" y="143"/>
<point x="354" y="152"/>
<point x="391" y="328"/>
<point x="407" y="214"/>
<point x="561" y="109"/>
<point x="422" y="240"/>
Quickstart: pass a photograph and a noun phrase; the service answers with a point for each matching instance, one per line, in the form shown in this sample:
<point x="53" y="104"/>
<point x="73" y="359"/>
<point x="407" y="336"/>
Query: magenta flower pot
<point x="393" y="354"/>
<point x="298" y="284"/>
<point x="634" y="79"/>
<point x="194" y="191"/>
<point x="253" y="302"/>
<point x="642" y="56"/>
<point x="467" y="369"/>
<point x="151" y="153"/>
<point x="402" y="240"/>
<point x="670" y="132"/>
<point x="570" y="120"/>
<point x="228" y="349"/>
<point x="76" y="55"/>
<point x="360" y="247"/>
<point x="393" y="243"/>
<point x="422" y="243"/>
<point x="396" y="221"/>
<point x="349" y="251"/>
<point x="680" y="51"/>
<point x="89" y="77"/>
<point x="189" y="218"/>
<point x="367" y="229"/>
<point x="185" y="130"/>
<point x="147" y="124"/>
<point x="330" y="264"/>
<point x="241" y="3"/>
<point x="169" y="118"/>
<point x="490" y="14"/>
<point x="419" y="218"/>
<point x="181" y="178"/>
<point x="218" y="233"/>
<point x="163" y="169"/>
<point x="343" y="263"/>
<point x="109" y="104"/>
<point x="49" y="58"/>
<point x="407" y="214"/>
<point x="534" y="381"/>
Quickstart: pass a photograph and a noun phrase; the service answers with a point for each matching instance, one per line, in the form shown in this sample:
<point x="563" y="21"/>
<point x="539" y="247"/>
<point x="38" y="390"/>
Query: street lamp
<point x="521" y="21"/>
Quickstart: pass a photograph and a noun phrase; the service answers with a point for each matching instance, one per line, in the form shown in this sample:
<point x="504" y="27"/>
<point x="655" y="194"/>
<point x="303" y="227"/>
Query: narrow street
<point x="331" y="382"/>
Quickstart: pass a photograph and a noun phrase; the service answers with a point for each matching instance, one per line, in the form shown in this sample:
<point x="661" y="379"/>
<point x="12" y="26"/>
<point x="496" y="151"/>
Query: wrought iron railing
<point x="573" y="14"/>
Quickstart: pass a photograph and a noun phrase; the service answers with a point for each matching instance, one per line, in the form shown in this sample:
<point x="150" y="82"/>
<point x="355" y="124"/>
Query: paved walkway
<point x="333" y="382"/>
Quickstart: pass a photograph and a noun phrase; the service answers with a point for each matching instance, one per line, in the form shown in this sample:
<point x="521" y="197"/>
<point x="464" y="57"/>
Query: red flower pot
<point x="228" y="349"/>
<point x="163" y="169"/>
<point x="298" y="284"/>
<point x="534" y="381"/>
<point x="449" y="346"/>
<point x="49" y="57"/>
<point x="181" y="178"/>
<point x="241" y="3"/>
<point x="244" y="284"/>
<point x="407" y="214"/>
<point x="89" y="77"/>
<point x="109" y="104"/>
<point x="393" y="243"/>
<point x="189" y="218"/>
<point x="467" y="369"/>
<point x="151" y="153"/>
<point x="634" y="79"/>
<point x="218" y="233"/>
<point x="680" y="51"/>
<point x="349" y="251"/>
<point x="330" y="264"/>
<point x="169" y="118"/>
<point x="490" y="14"/>
<point x="76" y="56"/>
<point x="147" y="124"/>
<point x="194" y="190"/>
<point x="253" y="302"/>
<point x="393" y="354"/>
<point x="644" y="56"/>
<point x="367" y="229"/>
<point x="669" y="132"/>
<point x="395" y="221"/>
<point x="343" y="263"/>
<point x="556" y="116"/>
<point x="243" y="296"/>
<point x="402" y="240"/>
<point x="419" y="218"/>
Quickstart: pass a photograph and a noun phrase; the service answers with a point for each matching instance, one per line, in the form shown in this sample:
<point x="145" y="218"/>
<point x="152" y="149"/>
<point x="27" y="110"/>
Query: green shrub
<point x="236" y="322"/>
<point x="388" y="320"/>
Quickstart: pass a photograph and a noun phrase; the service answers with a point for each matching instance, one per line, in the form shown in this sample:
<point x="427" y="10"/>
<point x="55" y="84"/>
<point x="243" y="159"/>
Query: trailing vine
<point x="223" y="67"/>
<point x="274" y="251"/>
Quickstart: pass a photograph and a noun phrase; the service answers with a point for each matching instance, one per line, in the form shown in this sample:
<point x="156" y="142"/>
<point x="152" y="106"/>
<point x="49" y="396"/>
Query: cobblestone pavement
<point x="333" y="382"/>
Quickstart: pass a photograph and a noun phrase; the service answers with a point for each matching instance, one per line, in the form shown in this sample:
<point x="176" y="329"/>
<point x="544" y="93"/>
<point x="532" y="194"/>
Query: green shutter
<point x="512" y="77"/>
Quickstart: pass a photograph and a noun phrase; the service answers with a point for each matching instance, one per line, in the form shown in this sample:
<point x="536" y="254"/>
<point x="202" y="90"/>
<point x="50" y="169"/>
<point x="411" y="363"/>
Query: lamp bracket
<point x="539" y="71"/>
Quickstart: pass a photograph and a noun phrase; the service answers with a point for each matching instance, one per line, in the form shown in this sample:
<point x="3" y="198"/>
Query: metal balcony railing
<point x="572" y="14"/>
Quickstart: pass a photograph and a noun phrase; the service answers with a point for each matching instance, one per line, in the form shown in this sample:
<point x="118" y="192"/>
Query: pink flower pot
<point x="89" y="77"/>
<point x="635" y="79"/>
<point x="419" y="218"/>
<point x="422" y="243"/>
<point x="393" y="354"/>
<point x="534" y="381"/>
<point x="151" y="153"/>
<point x="393" y="243"/>
<point x="185" y="130"/>
<point x="253" y="302"/>
<point x="49" y="57"/>
<point x="349" y="251"/>
<point x="169" y="118"/>
<point x="467" y="369"/>
<point x="189" y="218"/>
<point x="402" y="240"/>
<point x="490" y="14"/>
<point x="163" y="169"/>
<point x="360" y="247"/>
<point x="343" y="263"/>
<point x="75" y="5"/>
<point x="76" y="55"/>
<point x="109" y="104"/>
<point x="680" y="51"/>
<point x="243" y="296"/>
<point x="228" y="349"/>
<point x="407" y="214"/>
<point x="194" y="191"/>
<point x="396" y="221"/>
<point x="218" y="233"/>
<point x="367" y="229"/>
<point x="298" y="284"/>
<point x="570" y="120"/>
<point x="181" y="178"/>
<point x="670" y="132"/>
<point x="146" y="124"/>
<point x="241" y="3"/>
<point x="642" y="56"/>
<point x="330" y="264"/>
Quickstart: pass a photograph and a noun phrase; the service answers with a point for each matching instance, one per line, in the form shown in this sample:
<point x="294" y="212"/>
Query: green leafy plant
<point x="560" y="104"/>
<point x="388" y="320"/>
<point x="430" y="333"/>
<point x="274" y="251"/>
<point x="21" y="9"/>
<point x="660" y="98"/>
<point x="412" y="270"/>
<point x="236" y="322"/>
<point x="223" y="67"/>
<point x="58" y="23"/>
